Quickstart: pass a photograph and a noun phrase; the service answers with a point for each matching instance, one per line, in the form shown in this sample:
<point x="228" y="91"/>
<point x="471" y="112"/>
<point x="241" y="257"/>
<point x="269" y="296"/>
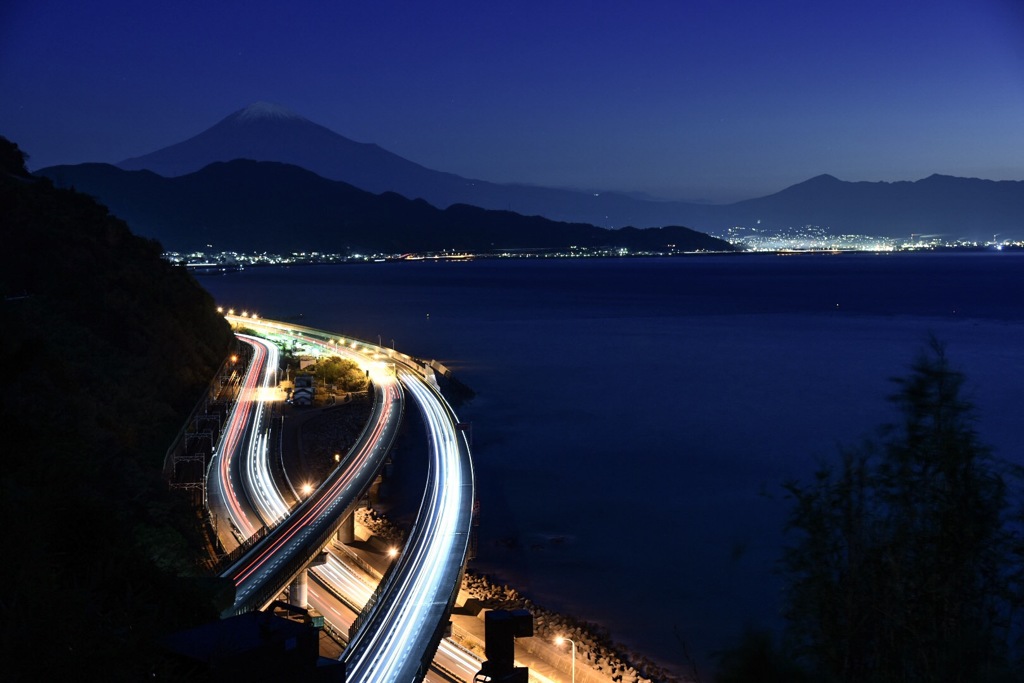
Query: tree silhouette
<point x="907" y="562"/>
<point x="12" y="159"/>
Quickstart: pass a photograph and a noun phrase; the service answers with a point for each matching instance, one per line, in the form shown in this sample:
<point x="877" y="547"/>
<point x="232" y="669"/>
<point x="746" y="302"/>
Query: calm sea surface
<point x="634" y="419"/>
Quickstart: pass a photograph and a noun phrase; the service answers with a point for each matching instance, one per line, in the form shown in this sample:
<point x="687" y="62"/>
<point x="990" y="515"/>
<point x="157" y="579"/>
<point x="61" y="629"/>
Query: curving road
<point x="398" y="640"/>
<point x="262" y="573"/>
<point x="257" y="479"/>
<point x="226" y="483"/>
<point x="401" y="630"/>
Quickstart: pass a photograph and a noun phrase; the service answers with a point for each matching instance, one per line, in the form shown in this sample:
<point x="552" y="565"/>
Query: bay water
<point x="634" y="420"/>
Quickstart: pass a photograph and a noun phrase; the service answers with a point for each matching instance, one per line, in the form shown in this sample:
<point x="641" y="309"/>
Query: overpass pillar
<point x="347" y="530"/>
<point x="298" y="592"/>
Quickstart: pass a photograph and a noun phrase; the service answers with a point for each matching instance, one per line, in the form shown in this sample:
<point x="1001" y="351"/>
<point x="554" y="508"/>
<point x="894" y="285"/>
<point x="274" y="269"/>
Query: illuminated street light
<point x="561" y="639"/>
<point x="392" y="552"/>
<point x="307" y="489"/>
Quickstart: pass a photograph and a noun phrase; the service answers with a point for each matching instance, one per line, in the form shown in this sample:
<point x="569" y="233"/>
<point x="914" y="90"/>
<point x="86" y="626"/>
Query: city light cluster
<point x="805" y="238"/>
<point x="822" y="238"/>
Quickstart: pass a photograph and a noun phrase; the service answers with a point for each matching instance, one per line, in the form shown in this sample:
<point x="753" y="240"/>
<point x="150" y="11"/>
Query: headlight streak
<point x="324" y="502"/>
<point x="259" y="486"/>
<point x="426" y="595"/>
<point x="237" y="422"/>
<point x="424" y="581"/>
<point x="273" y="506"/>
<point x="324" y="506"/>
<point x="342" y="579"/>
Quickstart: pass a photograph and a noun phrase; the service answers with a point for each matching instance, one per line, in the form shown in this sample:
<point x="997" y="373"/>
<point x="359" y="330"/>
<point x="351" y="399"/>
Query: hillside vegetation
<point x="106" y="348"/>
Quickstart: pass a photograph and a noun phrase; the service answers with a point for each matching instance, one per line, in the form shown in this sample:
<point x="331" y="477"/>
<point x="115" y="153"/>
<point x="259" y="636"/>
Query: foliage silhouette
<point x="108" y="347"/>
<point x="907" y="560"/>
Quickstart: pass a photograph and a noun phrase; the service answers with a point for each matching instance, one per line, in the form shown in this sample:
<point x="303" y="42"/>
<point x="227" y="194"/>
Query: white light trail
<point x="419" y="598"/>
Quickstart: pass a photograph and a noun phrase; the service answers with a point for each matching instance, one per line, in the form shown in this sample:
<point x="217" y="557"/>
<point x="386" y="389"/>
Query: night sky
<point x="699" y="100"/>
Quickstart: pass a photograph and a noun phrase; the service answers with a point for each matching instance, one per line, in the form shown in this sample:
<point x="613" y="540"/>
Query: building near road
<point x="302" y="395"/>
<point x="282" y="643"/>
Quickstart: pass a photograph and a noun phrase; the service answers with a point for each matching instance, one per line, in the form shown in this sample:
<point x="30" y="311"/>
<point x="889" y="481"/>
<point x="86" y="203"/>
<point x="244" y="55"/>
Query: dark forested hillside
<point x="249" y="206"/>
<point x="106" y="348"/>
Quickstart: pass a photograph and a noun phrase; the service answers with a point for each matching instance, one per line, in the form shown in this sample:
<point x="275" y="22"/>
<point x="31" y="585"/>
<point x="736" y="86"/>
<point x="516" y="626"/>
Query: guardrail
<point x="211" y="391"/>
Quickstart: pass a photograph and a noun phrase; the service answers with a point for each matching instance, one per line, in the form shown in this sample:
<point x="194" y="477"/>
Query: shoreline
<point x="595" y="645"/>
<point x="226" y="263"/>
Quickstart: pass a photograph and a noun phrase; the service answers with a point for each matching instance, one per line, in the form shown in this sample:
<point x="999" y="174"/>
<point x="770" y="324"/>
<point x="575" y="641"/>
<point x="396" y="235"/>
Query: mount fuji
<point x="967" y="208"/>
<point x="268" y="132"/>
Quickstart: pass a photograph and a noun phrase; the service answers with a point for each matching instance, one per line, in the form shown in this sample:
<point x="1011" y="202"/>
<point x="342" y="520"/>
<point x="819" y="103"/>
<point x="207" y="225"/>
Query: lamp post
<point x="561" y="639"/>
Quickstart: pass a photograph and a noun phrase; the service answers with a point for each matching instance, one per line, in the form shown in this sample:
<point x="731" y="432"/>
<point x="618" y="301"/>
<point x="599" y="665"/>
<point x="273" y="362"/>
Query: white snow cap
<point x="265" y="110"/>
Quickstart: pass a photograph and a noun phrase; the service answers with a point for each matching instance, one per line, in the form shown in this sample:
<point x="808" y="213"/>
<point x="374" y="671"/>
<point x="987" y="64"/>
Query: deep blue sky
<point x="718" y="100"/>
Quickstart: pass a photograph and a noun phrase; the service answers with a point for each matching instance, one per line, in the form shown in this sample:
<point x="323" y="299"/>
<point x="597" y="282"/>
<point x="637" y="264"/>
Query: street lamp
<point x="561" y="639"/>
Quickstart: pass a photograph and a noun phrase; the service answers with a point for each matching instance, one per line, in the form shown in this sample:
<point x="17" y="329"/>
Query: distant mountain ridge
<point x="955" y="208"/>
<point x="245" y="205"/>
<point x="967" y="208"/>
<point x="268" y="132"/>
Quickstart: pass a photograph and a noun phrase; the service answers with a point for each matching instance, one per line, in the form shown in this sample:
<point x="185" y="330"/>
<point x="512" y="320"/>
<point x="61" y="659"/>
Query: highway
<point x="257" y="479"/>
<point x="397" y="642"/>
<point x="245" y="465"/>
<point x="226" y="483"/>
<point x="402" y="628"/>
<point x="264" y="572"/>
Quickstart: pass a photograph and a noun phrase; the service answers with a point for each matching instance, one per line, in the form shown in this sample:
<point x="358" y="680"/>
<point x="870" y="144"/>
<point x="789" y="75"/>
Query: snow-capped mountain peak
<point x="261" y="111"/>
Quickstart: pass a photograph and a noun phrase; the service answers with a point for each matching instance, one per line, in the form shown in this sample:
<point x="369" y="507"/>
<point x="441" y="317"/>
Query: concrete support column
<point x="347" y="530"/>
<point x="298" y="593"/>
